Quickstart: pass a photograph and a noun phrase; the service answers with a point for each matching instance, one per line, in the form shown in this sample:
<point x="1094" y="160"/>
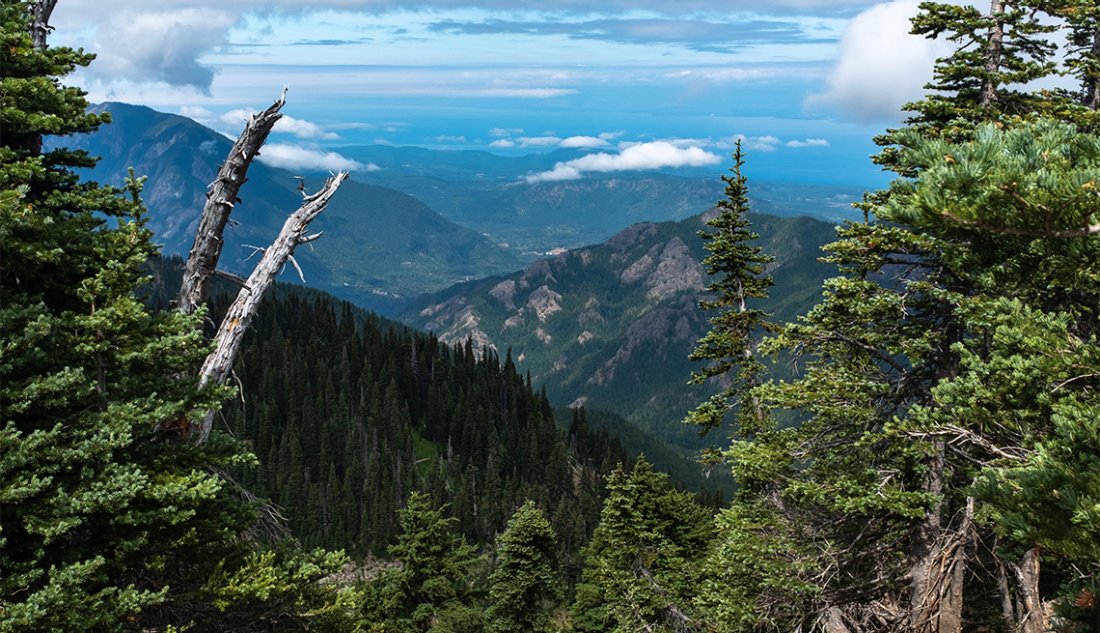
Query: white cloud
<point x="196" y="113"/>
<point x="766" y="143"/>
<point x="653" y="155"/>
<point x="287" y="125"/>
<point x="538" y="141"/>
<point x="502" y="143"/>
<point x="447" y="139"/>
<point x="303" y="129"/>
<point x="161" y="46"/>
<point x="289" y="156"/>
<point x="872" y="79"/>
<point x="505" y="131"/>
<point x="583" y="142"/>
<point x="810" y="142"/>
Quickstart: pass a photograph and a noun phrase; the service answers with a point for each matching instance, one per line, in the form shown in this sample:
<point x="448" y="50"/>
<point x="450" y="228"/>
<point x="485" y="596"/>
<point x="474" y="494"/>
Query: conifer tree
<point x="737" y="269"/>
<point x="928" y="366"/>
<point x="524" y="585"/>
<point x="643" y="565"/>
<point x="111" y="520"/>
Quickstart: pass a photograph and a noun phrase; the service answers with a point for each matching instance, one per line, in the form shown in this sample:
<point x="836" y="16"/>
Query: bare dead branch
<point x="237" y="279"/>
<point x="202" y="261"/>
<point x="218" y="364"/>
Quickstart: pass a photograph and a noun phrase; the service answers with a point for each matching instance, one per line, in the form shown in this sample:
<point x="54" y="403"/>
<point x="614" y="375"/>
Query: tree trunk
<point x="202" y="261"/>
<point x="40" y="22"/>
<point x="1092" y="81"/>
<point x="925" y="535"/>
<point x="237" y="319"/>
<point x="994" y="50"/>
<point x="1031" y="613"/>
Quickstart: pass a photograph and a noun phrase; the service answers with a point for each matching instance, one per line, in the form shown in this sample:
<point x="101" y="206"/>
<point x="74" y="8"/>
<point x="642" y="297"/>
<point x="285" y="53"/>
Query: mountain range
<point x="380" y="247"/>
<point x="611" y="326"/>
<point x="608" y="325"/>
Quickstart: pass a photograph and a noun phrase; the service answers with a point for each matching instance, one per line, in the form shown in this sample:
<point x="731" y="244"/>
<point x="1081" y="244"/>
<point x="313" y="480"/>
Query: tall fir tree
<point x="110" y="519"/>
<point x="738" y="272"/>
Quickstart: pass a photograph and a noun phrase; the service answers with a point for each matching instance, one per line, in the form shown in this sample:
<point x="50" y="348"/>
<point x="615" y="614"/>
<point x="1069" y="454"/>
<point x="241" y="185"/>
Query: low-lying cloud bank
<point x="288" y="156"/>
<point x="639" y="157"/>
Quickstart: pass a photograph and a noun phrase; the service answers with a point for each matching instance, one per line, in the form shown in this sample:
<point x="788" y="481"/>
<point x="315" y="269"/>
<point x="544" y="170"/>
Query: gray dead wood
<point x="40" y="12"/>
<point x="202" y="261"/>
<point x="216" y="368"/>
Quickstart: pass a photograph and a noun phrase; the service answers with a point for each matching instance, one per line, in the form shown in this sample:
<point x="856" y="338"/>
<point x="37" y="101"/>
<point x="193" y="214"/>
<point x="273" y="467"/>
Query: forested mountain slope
<point x="611" y="326"/>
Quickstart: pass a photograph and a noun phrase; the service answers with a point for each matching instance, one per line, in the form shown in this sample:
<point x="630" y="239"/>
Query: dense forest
<point x="932" y="466"/>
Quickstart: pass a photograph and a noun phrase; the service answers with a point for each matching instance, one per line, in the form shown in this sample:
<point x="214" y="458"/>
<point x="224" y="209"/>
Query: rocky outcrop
<point x="544" y="302"/>
<point x="677" y="271"/>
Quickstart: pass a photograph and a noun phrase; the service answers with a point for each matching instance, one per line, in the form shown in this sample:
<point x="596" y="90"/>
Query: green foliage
<point x="943" y="370"/>
<point x="643" y="565"/>
<point x="111" y="518"/>
<point x="757" y="560"/>
<point x="737" y="269"/>
<point x="524" y="584"/>
<point x="433" y="581"/>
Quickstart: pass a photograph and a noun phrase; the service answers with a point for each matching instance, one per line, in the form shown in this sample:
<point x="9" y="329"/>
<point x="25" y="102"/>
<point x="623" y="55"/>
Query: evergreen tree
<point x="111" y="518"/>
<point x="737" y="269"/>
<point x="524" y="585"/>
<point x="642" y="567"/>
<point x="434" y="577"/>
<point x="929" y="367"/>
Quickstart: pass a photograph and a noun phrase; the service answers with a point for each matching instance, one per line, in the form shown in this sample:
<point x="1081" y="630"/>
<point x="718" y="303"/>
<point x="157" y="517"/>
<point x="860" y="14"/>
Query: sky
<point x="635" y="85"/>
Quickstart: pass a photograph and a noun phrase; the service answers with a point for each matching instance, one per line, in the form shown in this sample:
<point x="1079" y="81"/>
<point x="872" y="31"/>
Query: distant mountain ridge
<point x="611" y="325"/>
<point x="380" y="245"/>
<point x="489" y="193"/>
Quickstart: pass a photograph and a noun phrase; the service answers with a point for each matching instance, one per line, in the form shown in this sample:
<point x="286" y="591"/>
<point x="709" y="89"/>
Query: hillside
<point x="611" y="326"/>
<point x="380" y="245"/>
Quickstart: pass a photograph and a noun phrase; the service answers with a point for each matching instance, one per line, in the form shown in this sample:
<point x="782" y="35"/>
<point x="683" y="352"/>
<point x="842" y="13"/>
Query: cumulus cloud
<point x="642" y="156"/>
<point x="538" y="141"/>
<point x="287" y="125"/>
<point x="809" y="142"/>
<point x="583" y="142"/>
<point x="872" y="80"/>
<point x="502" y="143"/>
<point x="288" y="156"/>
<point x="766" y="143"/>
<point x="161" y="46"/>
<point x="303" y="129"/>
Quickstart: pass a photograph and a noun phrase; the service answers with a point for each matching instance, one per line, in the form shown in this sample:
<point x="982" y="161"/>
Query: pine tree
<point x="928" y="366"/>
<point x="111" y="518"/>
<point x="524" y="585"/>
<point x="642" y="567"/>
<point x="738" y="275"/>
<point x="434" y="575"/>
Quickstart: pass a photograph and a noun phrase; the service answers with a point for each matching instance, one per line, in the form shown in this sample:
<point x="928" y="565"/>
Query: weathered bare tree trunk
<point x="40" y="21"/>
<point x="1092" y="82"/>
<point x="994" y="50"/>
<point x="925" y="535"/>
<point x="219" y="363"/>
<point x="1024" y="612"/>
<point x="202" y="261"/>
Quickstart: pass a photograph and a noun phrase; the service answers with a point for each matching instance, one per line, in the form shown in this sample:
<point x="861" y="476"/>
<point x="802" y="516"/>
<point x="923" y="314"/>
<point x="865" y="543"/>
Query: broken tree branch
<point x="219" y="363"/>
<point x="202" y="261"/>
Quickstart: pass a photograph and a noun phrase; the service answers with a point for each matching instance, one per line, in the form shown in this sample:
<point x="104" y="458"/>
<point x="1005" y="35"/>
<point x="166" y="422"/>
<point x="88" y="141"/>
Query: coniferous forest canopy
<point x="933" y="465"/>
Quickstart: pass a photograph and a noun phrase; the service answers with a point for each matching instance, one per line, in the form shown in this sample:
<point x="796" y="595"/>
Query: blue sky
<point x="638" y="85"/>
